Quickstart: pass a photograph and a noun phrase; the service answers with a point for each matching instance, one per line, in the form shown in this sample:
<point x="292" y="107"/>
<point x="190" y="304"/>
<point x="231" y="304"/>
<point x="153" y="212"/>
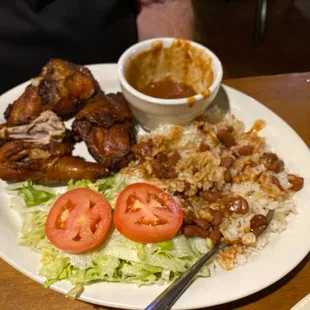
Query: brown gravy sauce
<point x="175" y="72"/>
<point x="168" y="89"/>
<point x="258" y="126"/>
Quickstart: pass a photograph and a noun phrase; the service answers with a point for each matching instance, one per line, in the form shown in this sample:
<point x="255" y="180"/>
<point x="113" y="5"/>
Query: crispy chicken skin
<point x="48" y="164"/>
<point x="111" y="147"/>
<point x="62" y="87"/>
<point x="73" y="168"/>
<point x="106" y="125"/>
<point x="106" y="110"/>
<point x="27" y="107"/>
<point x="25" y="152"/>
<point x="66" y="87"/>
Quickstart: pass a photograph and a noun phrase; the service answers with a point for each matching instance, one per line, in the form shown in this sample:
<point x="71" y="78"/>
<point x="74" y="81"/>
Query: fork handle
<point x="173" y="292"/>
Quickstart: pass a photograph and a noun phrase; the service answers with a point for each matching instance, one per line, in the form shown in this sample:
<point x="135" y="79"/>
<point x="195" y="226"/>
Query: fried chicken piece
<point x="25" y="152"/>
<point x="106" y="125"/>
<point x="49" y="164"/>
<point x="55" y="170"/>
<point x="72" y="168"/>
<point x="62" y="87"/>
<point x="106" y="110"/>
<point x="66" y="87"/>
<point x="111" y="147"/>
<point x="42" y="151"/>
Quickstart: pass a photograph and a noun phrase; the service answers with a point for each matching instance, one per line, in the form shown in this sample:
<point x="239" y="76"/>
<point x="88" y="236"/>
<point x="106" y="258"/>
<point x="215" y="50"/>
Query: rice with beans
<point x="225" y="178"/>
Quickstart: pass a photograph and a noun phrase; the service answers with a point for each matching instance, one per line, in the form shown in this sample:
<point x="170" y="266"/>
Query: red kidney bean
<point x="211" y="196"/>
<point x="195" y="231"/>
<point x="215" y="236"/>
<point x="162" y="157"/>
<point x="246" y="150"/>
<point x="273" y="162"/>
<point x="257" y="222"/>
<point x="297" y="182"/>
<point x="230" y="128"/>
<point x="203" y="147"/>
<point x="173" y="159"/>
<point x="217" y="218"/>
<point x="188" y="216"/>
<point x="157" y="166"/>
<point x="161" y="171"/>
<point x="226" y="138"/>
<point x="277" y="166"/>
<point x="227" y="162"/>
<point x="227" y="177"/>
<point x="270" y="157"/>
<point x="168" y="173"/>
<point x="202" y="223"/>
<point x="237" y="205"/>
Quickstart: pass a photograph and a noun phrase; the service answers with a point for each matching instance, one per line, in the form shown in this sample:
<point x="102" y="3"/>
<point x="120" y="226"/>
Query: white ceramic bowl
<point x="151" y="112"/>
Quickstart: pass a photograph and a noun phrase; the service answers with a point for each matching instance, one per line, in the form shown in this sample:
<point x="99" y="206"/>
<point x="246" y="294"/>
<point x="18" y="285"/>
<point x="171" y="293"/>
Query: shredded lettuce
<point x="33" y="196"/>
<point x="76" y="291"/>
<point x="165" y="245"/>
<point x="33" y="232"/>
<point x="123" y="260"/>
<point x="54" y="268"/>
<point x="109" y="187"/>
<point x="112" y="186"/>
<point x="80" y="184"/>
<point x="117" y="260"/>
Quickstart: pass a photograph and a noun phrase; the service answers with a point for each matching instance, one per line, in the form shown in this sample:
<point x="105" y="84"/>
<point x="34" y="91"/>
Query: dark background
<point x="227" y="28"/>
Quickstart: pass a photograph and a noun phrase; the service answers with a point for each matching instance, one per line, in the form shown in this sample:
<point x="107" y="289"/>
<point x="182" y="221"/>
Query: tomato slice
<point x="79" y="221"/>
<point x="147" y="214"/>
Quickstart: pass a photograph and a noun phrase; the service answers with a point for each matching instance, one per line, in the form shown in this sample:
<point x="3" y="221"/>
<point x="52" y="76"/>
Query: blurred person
<point x="166" y="18"/>
<point x="81" y="31"/>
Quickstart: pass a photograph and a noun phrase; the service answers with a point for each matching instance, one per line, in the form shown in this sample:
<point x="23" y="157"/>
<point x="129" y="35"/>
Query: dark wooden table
<point x="289" y="96"/>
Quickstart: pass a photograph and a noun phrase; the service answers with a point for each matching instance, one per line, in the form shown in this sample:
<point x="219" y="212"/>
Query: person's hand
<point x="165" y="18"/>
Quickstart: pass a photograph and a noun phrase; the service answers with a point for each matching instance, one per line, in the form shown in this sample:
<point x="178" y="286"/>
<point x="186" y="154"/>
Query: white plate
<point x="304" y="304"/>
<point x="279" y="257"/>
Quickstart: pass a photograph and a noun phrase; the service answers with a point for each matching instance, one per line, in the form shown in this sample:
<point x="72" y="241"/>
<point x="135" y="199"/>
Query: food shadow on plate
<point x="221" y="101"/>
<point x="218" y="108"/>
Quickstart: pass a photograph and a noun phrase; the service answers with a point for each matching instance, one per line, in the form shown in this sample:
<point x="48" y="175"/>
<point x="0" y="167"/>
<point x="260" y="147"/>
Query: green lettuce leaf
<point x="80" y="184"/>
<point x="165" y="245"/>
<point x="33" y="196"/>
<point x="33" y="230"/>
<point x="76" y="291"/>
<point x="54" y="268"/>
<point x="110" y="187"/>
